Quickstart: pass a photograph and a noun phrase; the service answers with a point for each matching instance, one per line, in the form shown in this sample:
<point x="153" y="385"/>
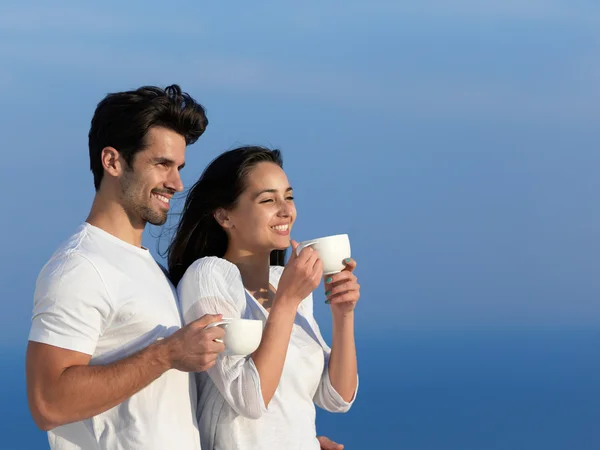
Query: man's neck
<point x="112" y="218"/>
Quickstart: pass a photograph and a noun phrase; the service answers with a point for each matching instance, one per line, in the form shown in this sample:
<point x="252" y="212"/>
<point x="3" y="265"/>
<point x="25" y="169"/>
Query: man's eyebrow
<point x="163" y="160"/>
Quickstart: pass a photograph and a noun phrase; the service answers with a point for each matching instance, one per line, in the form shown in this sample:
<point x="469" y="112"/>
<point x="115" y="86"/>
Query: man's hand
<point x="328" y="444"/>
<point x="62" y="387"/>
<point x="195" y="348"/>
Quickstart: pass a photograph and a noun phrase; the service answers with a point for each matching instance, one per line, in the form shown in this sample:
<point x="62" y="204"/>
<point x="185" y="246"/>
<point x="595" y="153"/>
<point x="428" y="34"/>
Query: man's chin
<point x="156" y="219"/>
<point x="158" y="223"/>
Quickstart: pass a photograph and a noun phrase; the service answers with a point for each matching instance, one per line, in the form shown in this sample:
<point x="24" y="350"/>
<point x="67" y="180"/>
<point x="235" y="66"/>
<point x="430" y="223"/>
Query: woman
<point x="226" y="258"/>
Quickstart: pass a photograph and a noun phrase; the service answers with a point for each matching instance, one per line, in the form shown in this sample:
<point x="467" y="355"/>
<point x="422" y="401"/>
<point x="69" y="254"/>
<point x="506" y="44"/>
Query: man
<point x="108" y="362"/>
<point x="106" y="328"/>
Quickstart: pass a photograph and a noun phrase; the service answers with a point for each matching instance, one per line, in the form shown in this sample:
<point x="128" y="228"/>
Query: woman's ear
<point x="222" y="218"/>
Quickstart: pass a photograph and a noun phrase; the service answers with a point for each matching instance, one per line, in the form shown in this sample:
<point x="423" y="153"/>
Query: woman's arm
<point x="343" y="291"/>
<point x="300" y="277"/>
<point x="249" y="383"/>
<point x="343" y="370"/>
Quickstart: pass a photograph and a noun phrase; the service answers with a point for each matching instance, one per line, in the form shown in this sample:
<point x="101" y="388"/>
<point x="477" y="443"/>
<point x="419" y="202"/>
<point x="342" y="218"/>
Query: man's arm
<point x="62" y="387"/>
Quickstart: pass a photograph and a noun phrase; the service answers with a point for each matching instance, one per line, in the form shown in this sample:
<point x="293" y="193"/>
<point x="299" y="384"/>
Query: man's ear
<point x="222" y="217"/>
<point x="112" y="162"/>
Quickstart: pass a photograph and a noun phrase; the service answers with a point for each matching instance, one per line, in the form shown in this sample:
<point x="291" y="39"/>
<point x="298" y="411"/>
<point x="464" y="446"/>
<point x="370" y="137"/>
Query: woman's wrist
<point x="342" y="318"/>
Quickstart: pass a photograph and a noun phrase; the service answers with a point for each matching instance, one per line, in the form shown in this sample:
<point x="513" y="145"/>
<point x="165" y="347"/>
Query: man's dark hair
<point x="122" y="120"/>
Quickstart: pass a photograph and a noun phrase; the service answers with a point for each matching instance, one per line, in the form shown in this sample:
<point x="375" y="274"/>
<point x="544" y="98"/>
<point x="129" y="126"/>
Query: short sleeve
<point x="71" y="304"/>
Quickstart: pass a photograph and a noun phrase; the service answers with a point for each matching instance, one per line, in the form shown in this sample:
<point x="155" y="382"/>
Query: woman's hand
<point x="301" y="276"/>
<point x="342" y="289"/>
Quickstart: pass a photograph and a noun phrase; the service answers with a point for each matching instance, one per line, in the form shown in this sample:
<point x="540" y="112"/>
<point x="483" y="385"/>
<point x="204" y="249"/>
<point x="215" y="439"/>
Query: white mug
<point x="242" y="336"/>
<point x="332" y="250"/>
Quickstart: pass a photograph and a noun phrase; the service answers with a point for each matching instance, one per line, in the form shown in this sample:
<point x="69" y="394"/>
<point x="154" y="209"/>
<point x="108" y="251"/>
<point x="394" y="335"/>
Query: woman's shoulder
<point x="211" y="282"/>
<point x="213" y="264"/>
<point x="211" y="270"/>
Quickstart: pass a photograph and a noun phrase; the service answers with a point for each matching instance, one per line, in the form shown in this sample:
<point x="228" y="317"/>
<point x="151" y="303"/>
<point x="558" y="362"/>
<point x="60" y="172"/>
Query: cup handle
<point x="217" y="324"/>
<point x="308" y="244"/>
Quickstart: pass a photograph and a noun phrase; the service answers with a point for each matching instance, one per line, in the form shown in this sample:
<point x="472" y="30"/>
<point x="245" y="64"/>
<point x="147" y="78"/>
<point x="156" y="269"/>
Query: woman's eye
<point x="289" y="198"/>
<point x="267" y="200"/>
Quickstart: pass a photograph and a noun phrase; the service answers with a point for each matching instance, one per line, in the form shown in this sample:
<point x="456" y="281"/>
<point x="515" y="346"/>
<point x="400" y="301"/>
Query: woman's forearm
<point x="343" y="370"/>
<point x="270" y="355"/>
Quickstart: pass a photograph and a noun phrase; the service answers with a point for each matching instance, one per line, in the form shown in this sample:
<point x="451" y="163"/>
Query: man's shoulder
<point x="73" y="255"/>
<point x="74" y="264"/>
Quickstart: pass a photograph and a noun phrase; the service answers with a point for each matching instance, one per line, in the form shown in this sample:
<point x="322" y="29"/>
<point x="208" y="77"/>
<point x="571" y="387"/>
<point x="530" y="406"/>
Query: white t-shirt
<point x="231" y="411"/>
<point x="102" y="296"/>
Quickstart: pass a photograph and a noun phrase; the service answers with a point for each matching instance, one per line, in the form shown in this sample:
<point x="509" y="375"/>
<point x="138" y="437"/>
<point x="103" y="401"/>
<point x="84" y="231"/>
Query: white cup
<point x="242" y="336"/>
<point x="332" y="250"/>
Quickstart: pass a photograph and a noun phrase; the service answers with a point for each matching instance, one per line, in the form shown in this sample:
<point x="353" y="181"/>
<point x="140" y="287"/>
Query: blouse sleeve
<point x="213" y="286"/>
<point x="326" y="397"/>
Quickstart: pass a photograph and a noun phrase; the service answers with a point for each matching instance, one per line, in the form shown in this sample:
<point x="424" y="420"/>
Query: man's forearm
<point x="83" y="391"/>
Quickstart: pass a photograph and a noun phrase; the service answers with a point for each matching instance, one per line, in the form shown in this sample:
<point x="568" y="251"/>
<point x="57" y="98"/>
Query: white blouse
<point x="231" y="411"/>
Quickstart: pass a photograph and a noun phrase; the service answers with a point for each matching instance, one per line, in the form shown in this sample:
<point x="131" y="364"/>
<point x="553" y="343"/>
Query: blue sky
<point x="456" y="142"/>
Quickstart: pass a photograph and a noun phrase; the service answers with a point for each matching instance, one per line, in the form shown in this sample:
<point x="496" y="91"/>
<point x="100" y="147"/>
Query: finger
<point x="318" y="271"/>
<point x="209" y="357"/>
<point x="294" y="245"/>
<point x="312" y="260"/>
<point x="305" y="255"/>
<point x="214" y="348"/>
<point x="328" y="444"/>
<point x="343" y="287"/>
<point x="205" y="367"/>
<point x="344" y="275"/>
<point x="207" y="362"/>
<point x="343" y="297"/>
<point x="210" y="349"/>
<point x="210" y="334"/>
<point x="349" y="264"/>
<point x="325" y="442"/>
<point x="206" y="319"/>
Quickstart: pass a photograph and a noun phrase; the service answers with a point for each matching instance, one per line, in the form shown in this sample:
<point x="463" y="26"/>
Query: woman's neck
<point x="254" y="269"/>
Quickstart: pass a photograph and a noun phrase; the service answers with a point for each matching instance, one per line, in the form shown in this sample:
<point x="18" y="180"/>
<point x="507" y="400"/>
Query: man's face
<point x="153" y="178"/>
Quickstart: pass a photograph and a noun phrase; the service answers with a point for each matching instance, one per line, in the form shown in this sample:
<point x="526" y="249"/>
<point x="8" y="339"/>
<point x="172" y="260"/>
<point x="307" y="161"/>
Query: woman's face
<point x="263" y="217"/>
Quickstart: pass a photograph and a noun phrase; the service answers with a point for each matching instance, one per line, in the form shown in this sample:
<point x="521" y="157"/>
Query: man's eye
<point x="289" y="198"/>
